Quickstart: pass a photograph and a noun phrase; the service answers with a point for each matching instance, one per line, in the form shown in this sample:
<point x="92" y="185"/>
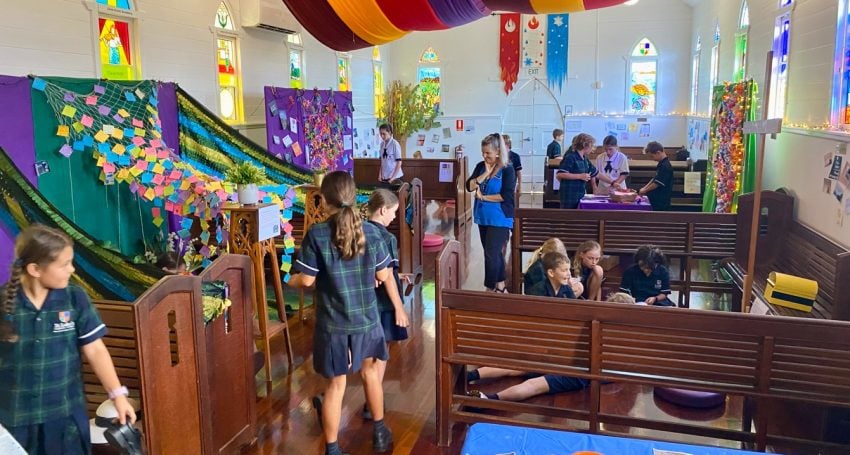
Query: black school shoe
<point x="318" y="400"/>
<point x="125" y="438"/>
<point x="382" y="439"/>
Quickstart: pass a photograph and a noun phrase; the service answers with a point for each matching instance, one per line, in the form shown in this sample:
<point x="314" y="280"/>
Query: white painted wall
<point x="600" y="42"/>
<point x="794" y="159"/>
<point x="175" y="43"/>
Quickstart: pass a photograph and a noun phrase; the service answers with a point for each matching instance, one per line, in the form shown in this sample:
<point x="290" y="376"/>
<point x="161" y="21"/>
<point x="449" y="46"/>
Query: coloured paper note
<point x="63" y="131"/>
<point x="69" y="111"/>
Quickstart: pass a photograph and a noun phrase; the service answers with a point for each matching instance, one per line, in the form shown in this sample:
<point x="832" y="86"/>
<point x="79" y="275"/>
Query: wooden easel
<point x="314" y="212"/>
<point x="244" y="229"/>
<point x="760" y="129"/>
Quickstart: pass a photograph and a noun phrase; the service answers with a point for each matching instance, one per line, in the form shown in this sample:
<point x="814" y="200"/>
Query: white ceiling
<point x="692" y="2"/>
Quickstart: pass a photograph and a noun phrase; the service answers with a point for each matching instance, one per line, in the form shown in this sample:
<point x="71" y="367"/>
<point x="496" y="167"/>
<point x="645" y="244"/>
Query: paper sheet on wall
<point x="287" y="141"/>
<point x="447" y="169"/>
<point x="346" y="142"/>
<point x="556" y="184"/>
<point x="693" y="182"/>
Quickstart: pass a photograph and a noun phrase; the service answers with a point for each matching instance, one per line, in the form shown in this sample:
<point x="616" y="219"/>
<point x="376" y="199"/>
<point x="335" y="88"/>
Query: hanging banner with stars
<point x="533" y="46"/>
<point x="509" y="49"/>
<point x="557" y="48"/>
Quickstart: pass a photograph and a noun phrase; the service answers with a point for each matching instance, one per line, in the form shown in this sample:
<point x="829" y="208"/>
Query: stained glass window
<point x="116" y="56"/>
<point x="643" y="78"/>
<point x="343" y="73"/>
<point x="228" y="79"/>
<point x="223" y="20"/>
<point x="779" y="84"/>
<point x="841" y="78"/>
<point x="429" y="56"/>
<point x="121" y="4"/>
<point x="429" y="83"/>
<point x="296" y="72"/>
<point x="695" y="81"/>
<point x="644" y="48"/>
<point x="784" y="3"/>
<point x="377" y="80"/>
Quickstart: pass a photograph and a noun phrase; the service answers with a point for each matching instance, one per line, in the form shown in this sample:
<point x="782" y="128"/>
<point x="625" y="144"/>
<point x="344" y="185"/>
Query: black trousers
<point x="494" y="240"/>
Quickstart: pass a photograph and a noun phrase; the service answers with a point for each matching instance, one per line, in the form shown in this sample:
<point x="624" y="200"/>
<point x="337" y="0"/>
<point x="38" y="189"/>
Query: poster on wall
<point x="698" y="137"/>
<point x="835" y="170"/>
<point x="313" y="128"/>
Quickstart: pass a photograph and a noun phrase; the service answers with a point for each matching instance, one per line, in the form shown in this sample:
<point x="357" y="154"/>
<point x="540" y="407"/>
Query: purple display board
<point x="311" y="129"/>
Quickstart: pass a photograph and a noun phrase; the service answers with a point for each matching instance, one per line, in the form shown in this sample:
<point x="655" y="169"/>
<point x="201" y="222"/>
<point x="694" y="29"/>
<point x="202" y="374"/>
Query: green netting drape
<point x="110" y="214"/>
<point x="732" y="154"/>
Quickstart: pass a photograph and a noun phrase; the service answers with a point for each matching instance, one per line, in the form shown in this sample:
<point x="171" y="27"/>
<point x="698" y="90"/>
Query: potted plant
<point x="408" y="108"/>
<point x="246" y="176"/>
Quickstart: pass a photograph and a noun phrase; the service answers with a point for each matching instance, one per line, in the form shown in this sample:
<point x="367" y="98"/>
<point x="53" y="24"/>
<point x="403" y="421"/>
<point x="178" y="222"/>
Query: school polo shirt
<point x="544" y="289"/>
<point x="345" y="288"/>
<point x="660" y="196"/>
<point x="641" y="287"/>
<point x="384" y="301"/>
<point x="40" y="374"/>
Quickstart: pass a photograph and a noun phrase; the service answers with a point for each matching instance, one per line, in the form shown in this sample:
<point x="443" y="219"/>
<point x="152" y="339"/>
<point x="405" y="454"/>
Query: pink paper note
<point x="91" y="100"/>
<point x="158" y="179"/>
<point x="163" y="154"/>
<point x="138" y="123"/>
<point x="138" y="140"/>
<point x="87" y="121"/>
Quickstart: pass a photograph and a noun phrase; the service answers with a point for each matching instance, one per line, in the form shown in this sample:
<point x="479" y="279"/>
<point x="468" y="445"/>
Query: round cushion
<point x="691" y="398"/>
<point x="432" y="240"/>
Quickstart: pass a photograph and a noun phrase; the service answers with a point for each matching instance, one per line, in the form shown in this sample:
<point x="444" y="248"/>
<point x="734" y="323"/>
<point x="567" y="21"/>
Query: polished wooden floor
<point x="288" y="423"/>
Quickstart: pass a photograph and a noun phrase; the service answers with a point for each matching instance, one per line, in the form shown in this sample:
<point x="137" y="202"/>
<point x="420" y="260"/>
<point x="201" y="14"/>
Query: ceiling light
<point x="631" y="2"/>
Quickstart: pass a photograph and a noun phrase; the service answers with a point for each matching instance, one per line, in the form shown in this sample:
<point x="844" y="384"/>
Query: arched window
<point x="116" y="26"/>
<point x="227" y="61"/>
<point x="695" y="76"/>
<point x="740" y="70"/>
<point x="343" y="71"/>
<point x="642" y="78"/>
<point x="429" y="76"/>
<point x="377" y="80"/>
<point x="841" y="76"/>
<point x="714" y="69"/>
<point x="296" y="60"/>
<point x="779" y="66"/>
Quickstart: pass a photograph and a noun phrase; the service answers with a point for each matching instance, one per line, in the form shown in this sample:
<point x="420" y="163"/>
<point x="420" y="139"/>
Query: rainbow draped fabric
<point x="346" y="25"/>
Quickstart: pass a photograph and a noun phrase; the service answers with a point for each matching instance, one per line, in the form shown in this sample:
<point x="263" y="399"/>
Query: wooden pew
<point x="770" y="360"/>
<point x="195" y="382"/>
<point x="787" y="246"/>
<point x="428" y="171"/>
<point x="684" y="237"/>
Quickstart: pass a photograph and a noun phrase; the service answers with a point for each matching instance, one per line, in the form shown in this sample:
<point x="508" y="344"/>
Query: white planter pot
<point x="248" y="194"/>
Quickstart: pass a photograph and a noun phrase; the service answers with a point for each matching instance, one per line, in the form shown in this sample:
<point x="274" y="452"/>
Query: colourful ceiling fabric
<point x="346" y="25"/>
<point x="366" y="20"/>
<point x="399" y="14"/>
<point x="459" y="12"/>
<point x="323" y="23"/>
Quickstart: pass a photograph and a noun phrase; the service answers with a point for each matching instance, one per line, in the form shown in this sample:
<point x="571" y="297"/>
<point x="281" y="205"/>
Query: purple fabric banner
<point x="295" y="118"/>
<point x="167" y="107"/>
<point x="16" y="138"/>
<point x="459" y="12"/>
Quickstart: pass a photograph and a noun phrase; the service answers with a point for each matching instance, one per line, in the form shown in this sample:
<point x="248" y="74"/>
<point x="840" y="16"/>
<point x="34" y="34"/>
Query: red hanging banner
<point x="509" y="49"/>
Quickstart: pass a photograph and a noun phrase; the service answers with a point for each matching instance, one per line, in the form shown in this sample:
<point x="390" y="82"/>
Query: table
<point x="603" y="203"/>
<point x="492" y="439"/>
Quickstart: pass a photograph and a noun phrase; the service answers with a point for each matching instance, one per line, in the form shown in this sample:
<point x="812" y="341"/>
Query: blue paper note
<point x="205" y="236"/>
<point x="147" y="177"/>
<point x="124" y="160"/>
<point x="129" y="96"/>
<point x="103" y="147"/>
<point x="79" y="146"/>
<point x="153" y="101"/>
<point x="129" y="132"/>
<point x="183" y="233"/>
<point x="88" y="140"/>
<point x="157" y="202"/>
<point x="186" y="223"/>
<point x="39" y="84"/>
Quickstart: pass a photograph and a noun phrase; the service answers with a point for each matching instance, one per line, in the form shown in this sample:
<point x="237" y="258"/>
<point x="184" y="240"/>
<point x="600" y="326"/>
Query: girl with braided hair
<point x="45" y="325"/>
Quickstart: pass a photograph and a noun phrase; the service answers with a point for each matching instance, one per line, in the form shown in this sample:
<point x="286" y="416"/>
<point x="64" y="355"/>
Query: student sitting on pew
<point x="586" y="267"/>
<point x="648" y="280"/>
<point x="558" y="280"/>
<point x="537" y="384"/>
<point x="535" y="273"/>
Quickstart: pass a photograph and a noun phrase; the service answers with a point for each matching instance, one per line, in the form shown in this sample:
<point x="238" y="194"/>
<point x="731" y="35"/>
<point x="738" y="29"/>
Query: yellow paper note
<point x="101" y="136"/>
<point x="139" y="132"/>
<point x="168" y="191"/>
<point x="78" y="127"/>
<point x="289" y="243"/>
<point x="123" y="113"/>
<point x="101" y="161"/>
<point x="285" y="267"/>
<point x="158" y="169"/>
<point x="135" y="171"/>
<point x="123" y="174"/>
<point x="63" y="131"/>
<point x="156" y="221"/>
<point x="118" y="133"/>
<point x="69" y="111"/>
<point x="119" y="149"/>
<point x="150" y="194"/>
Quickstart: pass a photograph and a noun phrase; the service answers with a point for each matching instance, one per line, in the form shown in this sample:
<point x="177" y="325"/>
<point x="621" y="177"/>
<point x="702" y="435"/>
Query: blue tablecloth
<point x="491" y="439"/>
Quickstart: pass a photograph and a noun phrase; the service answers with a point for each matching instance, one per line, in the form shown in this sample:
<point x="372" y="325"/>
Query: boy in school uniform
<point x="557" y="283"/>
<point x="515" y="161"/>
<point x="648" y="280"/>
<point x="660" y="187"/>
<point x="553" y="151"/>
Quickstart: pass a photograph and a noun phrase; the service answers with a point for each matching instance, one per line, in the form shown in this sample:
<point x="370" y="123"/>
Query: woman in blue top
<point x="493" y="182"/>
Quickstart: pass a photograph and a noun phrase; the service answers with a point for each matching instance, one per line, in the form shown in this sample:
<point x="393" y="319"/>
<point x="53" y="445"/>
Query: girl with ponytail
<point x="45" y="324"/>
<point x="344" y="257"/>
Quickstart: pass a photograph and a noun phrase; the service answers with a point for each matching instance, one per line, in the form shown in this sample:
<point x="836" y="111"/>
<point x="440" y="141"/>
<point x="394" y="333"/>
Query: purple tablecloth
<point x="605" y="204"/>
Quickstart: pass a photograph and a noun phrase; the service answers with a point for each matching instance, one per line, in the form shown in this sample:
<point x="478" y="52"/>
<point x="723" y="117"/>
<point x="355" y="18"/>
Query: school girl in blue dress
<point x="344" y="257"/>
<point x="45" y="324"/>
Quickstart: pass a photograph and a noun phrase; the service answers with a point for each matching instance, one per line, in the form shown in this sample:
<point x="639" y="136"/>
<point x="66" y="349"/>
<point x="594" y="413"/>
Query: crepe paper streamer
<point x="517" y="6"/>
<point x="366" y="20"/>
<point x="399" y="14"/>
